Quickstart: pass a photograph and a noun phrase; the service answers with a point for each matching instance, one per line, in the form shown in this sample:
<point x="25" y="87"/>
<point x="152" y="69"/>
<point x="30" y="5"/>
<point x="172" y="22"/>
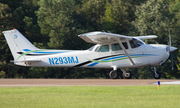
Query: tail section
<point x="18" y="44"/>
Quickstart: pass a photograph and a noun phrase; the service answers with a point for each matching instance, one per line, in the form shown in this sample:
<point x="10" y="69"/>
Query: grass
<point x="167" y="96"/>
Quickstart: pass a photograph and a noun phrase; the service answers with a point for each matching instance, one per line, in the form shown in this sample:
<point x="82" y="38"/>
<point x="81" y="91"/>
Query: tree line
<point x="55" y="24"/>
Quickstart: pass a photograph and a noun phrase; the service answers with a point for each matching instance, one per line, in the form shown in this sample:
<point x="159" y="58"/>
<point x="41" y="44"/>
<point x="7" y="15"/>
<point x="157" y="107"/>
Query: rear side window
<point x="116" y="47"/>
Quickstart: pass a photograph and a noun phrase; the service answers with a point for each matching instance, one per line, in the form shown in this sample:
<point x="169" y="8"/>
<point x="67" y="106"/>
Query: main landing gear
<point x="126" y="74"/>
<point x="156" y="74"/>
<point x="113" y="74"/>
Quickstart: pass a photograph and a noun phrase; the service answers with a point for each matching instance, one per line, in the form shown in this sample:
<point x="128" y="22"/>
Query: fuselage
<point x="100" y="56"/>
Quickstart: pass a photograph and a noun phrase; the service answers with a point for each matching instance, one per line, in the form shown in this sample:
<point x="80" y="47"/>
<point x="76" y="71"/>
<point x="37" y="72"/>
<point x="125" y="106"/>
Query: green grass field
<point x="168" y="96"/>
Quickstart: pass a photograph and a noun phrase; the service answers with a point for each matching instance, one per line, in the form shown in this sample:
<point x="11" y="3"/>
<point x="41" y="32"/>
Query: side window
<point x="103" y="48"/>
<point x="116" y="47"/>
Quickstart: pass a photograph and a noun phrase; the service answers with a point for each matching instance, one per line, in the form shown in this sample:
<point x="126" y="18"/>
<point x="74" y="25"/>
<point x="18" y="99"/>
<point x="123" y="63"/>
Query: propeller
<point x="171" y="50"/>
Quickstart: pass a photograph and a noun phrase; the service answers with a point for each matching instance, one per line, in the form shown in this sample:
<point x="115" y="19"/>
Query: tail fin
<point x="18" y="44"/>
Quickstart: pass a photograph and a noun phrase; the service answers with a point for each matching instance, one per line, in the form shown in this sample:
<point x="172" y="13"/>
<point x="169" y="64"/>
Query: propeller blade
<point x="171" y="58"/>
<point x="169" y="38"/>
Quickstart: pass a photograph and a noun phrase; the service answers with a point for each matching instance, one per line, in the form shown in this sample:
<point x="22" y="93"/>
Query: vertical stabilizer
<point x="18" y="44"/>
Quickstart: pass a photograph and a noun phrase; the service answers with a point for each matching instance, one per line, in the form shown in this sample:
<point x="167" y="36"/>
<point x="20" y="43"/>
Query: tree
<point x="118" y="17"/>
<point x="91" y="13"/>
<point x="5" y="16"/>
<point x="55" y="18"/>
<point x="13" y="18"/>
<point x="153" y="17"/>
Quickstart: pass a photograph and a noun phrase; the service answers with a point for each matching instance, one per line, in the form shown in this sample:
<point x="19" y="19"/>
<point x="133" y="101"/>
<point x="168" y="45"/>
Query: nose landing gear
<point x="126" y="74"/>
<point x="156" y="74"/>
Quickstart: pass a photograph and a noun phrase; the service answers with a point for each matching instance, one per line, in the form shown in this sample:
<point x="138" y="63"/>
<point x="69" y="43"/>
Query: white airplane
<point x="111" y="51"/>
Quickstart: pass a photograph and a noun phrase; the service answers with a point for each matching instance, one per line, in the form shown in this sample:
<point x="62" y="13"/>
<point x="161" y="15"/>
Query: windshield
<point x="90" y="49"/>
<point x="135" y="43"/>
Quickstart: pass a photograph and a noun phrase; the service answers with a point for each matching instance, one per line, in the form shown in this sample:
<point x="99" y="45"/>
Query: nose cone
<point x="172" y="49"/>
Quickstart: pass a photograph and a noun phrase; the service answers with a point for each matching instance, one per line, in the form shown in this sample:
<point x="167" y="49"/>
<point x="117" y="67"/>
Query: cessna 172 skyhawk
<point x="111" y="51"/>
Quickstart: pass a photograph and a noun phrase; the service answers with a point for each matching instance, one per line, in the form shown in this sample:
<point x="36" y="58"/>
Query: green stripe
<point x="30" y="52"/>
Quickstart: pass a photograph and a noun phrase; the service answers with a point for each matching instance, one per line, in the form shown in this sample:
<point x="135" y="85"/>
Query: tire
<point x="158" y="76"/>
<point x="113" y="74"/>
<point x="128" y="76"/>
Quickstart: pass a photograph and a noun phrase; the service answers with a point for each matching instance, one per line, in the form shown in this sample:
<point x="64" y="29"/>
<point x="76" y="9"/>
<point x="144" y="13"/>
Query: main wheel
<point x="157" y="76"/>
<point x="128" y="75"/>
<point x="113" y="74"/>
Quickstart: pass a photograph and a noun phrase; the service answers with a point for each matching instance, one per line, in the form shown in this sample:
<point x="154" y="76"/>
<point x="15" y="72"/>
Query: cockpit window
<point x="90" y="49"/>
<point x="97" y="48"/>
<point x="116" y="47"/>
<point x="135" y="43"/>
<point x="103" y="48"/>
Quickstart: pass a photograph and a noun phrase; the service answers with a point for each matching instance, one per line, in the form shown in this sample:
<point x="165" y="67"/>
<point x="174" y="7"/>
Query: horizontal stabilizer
<point x="27" y="61"/>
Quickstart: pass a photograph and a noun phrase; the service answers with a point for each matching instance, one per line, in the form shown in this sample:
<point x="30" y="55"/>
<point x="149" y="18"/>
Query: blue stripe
<point x="112" y="58"/>
<point x="40" y="52"/>
<point x="26" y="50"/>
<point x="93" y="64"/>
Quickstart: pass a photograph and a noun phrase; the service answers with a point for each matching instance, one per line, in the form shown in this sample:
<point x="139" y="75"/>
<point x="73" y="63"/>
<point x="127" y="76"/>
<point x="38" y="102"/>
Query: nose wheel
<point x="126" y="74"/>
<point x="156" y="74"/>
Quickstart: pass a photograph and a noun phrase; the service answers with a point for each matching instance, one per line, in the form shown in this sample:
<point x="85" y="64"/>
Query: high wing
<point x="99" y="37"/>
<point x="146" y="37"/>
<point x="102" y="37"/>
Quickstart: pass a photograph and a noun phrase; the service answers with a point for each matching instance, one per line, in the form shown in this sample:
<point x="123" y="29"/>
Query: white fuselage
<point x="144" y="55"/>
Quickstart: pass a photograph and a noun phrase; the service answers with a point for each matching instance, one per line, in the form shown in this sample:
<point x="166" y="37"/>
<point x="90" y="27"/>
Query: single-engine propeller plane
<point x="111" y="51"/>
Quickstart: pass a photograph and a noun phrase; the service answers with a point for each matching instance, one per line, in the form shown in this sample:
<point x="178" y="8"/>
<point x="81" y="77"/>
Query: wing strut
<point x="120" y="43"/>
